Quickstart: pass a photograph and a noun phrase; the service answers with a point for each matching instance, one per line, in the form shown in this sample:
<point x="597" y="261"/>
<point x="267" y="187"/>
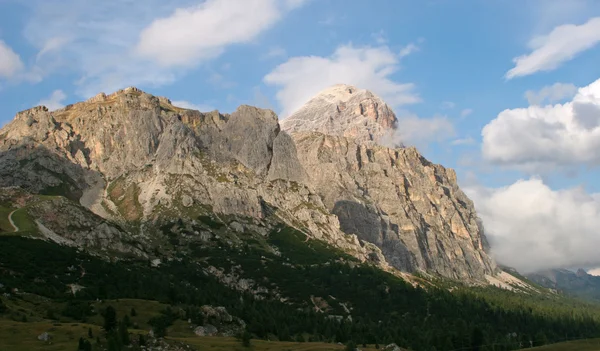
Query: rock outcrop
<point x="410" y="208"/>
<point x="344" y="110"/>
<point x="137" y="160"/>
<point x="392" y="197"/>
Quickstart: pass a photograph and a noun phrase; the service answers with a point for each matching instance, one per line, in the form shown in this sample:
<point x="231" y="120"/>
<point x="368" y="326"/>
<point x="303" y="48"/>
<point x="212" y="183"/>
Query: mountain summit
<point x="344" y="110"/>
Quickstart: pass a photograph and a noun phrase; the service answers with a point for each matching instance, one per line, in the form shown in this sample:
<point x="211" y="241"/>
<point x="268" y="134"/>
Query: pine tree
<point x="110" y="318"/>
<point x="133" y="313"/>
<point x="123" y="333"/>
<point x="246" y="337"/>
<point x="90" y="334"/>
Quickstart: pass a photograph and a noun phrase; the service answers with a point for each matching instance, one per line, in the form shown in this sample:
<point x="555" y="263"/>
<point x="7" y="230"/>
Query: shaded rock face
<point x="410" y="208"/>
<point x="135" y="159"/>
<point x="344" y="110"/>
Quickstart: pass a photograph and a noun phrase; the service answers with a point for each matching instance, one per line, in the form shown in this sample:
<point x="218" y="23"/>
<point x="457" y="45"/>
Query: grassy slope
<point x="580" y="345"/>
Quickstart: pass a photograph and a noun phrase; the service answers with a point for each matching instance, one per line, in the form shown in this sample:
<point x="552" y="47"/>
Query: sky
<point x="506" y="92"/>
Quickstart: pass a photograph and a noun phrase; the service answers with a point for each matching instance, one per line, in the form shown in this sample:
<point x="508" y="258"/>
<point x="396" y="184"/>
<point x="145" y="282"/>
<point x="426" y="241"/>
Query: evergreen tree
<point x="110" y="318"/>
<point x="246" y="337"/>
<point x="90" y="334"/>
<point x="133" y="313"/>
<point x="123" y="333"/>
<point x="350" y="346"/>
<point x="476" y="339"/>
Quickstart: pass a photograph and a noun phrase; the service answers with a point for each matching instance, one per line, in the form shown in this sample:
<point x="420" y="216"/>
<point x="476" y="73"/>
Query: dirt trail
<point x="16" y="229"/>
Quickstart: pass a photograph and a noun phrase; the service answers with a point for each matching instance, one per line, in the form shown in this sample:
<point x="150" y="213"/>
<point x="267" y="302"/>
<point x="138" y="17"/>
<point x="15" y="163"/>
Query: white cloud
<point x="538" y="139"/>
<point x="532" y="227"/>
<point x="192" y="106"/>
<point x="10" y="62"/>
<point x="448" y="105"/>
<point x="419" y="132"/>
<point x="194" y="34"/>
<point x="300" y="78"/>
<point x="466" y="112"/>
<point x="551" y="93"/>
<point x="275" y="52"/>
<point x="562" y="44"/>
<point x="409" y="49"/>
<point x="114" y="44"/>
<point x="54" y="101"/>
<point x="380" y="37"/>
<point x="595" y="272"/>
<point x="463" y="141"/>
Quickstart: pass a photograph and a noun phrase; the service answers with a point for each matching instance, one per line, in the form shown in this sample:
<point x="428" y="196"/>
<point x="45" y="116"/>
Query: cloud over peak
<point x="300" y="78"/>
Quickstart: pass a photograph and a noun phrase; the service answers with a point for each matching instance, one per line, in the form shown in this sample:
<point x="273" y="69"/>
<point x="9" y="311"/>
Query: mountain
<point x="139" y="161"/>
<point x="225" y="224"/>
<point x="393" y="197"/>
<point x="578" y="284"/>
<point x="344" y="110"/>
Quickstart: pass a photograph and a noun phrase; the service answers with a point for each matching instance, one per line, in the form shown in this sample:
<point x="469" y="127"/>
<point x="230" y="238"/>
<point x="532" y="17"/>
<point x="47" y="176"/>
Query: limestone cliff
<point x="394" y="198"/>
<point x="344" y="110"/>
<point x="139" y="161"/>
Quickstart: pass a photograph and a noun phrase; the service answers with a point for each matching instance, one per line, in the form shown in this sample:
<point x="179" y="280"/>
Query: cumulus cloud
<point x="543" y="138"/>
<point x="54" y="101"/>
<point x="532" y="227"/>
<point x="10" y="62"/>
<point x="202" y="32"/>
<point x="300" y="78"/>
<point x="192" y="106"/>
<point x="551" y="93"/>
<point x="113" y="44"/>
<point x="419" y="132"/>
<point x="562" y="44"/>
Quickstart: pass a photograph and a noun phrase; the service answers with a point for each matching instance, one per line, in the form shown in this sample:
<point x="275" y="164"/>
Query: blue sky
<point x="449" y="68"/>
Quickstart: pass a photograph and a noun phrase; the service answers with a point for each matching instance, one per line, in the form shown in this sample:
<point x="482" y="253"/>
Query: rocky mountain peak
<point x="344" y="110"/>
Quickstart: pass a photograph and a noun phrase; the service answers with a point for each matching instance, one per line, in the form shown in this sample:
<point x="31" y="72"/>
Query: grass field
<point x="5" y="226"/>
<point x="16" y="336"/>
<point x="579" y="345"/>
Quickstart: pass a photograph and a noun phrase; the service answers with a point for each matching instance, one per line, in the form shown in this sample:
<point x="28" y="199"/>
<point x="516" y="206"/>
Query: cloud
<point x="409" y="49"/>
<point x="419" y="132"/>
<point x="463" y="141"/>
<point x="114" y="44"/>
<point x="54" y="101"/>
<point x="10" y="62"/>
<point x="551" y="93"/>
<point x="532" y="227"/>
<point x="195" y="34"/>
<point x="466" y="112"/>
<point x="595" y="272"/>
<point x="300" y="78"/>
<point x="448" y="105"/>
<point x="275" y="52"/>
<point x="562" y="44"/>
<point x="542" y="138"/>
<point x="192" y="106"/>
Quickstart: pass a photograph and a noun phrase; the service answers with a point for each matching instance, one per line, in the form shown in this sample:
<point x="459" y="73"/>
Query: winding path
<point x="16" y="229"/>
